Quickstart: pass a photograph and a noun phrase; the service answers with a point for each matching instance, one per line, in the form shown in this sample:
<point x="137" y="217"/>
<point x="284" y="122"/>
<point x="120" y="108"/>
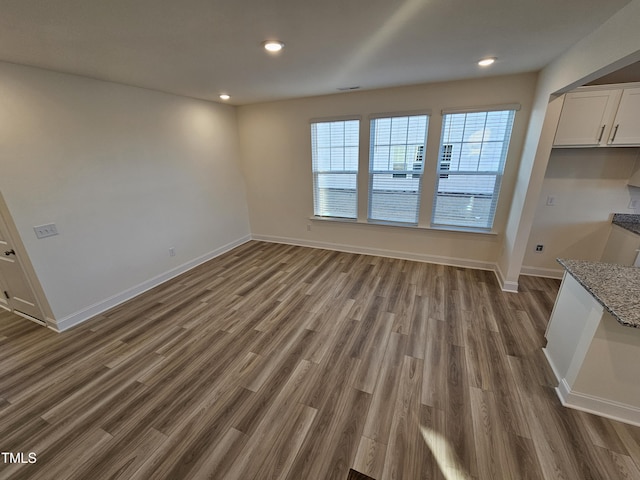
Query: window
<point x="473" y="150"/>
<point x="334" y="147"/>
<point x="395" y="167"/>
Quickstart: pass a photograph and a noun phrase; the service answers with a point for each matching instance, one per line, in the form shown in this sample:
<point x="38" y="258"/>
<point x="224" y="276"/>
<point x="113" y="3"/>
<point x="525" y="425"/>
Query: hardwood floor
<point x="275" y="361"/>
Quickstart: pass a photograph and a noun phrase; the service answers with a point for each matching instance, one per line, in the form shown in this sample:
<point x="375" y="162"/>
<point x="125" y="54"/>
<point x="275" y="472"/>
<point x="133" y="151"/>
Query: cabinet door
<point x="626" y="126"/>
<point x="585" y="118"/>
<point x="622" y="246"/>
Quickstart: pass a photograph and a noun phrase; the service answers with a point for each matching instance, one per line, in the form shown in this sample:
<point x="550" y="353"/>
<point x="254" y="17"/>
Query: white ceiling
<point x="200" y="48"/>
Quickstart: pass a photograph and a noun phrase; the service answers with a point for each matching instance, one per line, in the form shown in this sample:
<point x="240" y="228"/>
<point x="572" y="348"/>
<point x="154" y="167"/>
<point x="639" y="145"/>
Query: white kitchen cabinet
<point x="600" y="116"/>
<point x="586" y="118"/>
<point x="622" y="246"/>
<point x="626" y="125"/>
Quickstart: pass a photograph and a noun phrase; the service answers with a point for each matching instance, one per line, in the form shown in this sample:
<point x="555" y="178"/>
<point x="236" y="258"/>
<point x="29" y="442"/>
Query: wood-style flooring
<point x="276" y="361"/>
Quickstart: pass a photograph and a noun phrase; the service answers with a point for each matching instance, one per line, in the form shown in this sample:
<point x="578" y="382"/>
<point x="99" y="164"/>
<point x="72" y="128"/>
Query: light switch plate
<point x="43" y="231"/>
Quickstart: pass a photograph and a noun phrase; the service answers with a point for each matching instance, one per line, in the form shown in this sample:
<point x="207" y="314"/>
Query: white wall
<point x="276" y="157"/>
<point x="124" y="173"/>
<point x="614" y="44"/>
<point x="589" y="185"/>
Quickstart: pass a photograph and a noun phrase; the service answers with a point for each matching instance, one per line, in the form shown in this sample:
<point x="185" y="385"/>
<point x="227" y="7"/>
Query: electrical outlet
<point x="43" y="231"/>
<point x="539" y="248"/>
<point x="308" y="227"/>
<point x="172" y="252"/>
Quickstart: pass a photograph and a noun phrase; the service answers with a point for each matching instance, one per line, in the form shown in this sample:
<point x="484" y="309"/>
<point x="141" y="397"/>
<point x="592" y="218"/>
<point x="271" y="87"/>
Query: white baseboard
<point x="504" y="284"/>
<point x="543" y="272"/>
<point x="29" y="317"/>
<point x="104" y="305"/>
<point x="381" y="252"/>
<point x="591" y="404"/>
<point x="598" y="406"/>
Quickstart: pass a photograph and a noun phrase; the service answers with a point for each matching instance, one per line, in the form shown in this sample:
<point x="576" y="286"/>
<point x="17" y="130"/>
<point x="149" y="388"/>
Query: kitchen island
<point x="593" y="339"/>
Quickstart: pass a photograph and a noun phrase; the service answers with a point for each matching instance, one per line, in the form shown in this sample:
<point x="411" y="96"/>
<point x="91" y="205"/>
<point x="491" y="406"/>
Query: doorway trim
<point x="27" y="268"/>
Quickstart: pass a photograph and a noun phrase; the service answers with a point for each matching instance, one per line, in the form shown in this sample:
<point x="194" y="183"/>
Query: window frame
<point x="446" y="173"/>
<point x="315" y="173"/>
<point x="371" y="171"/>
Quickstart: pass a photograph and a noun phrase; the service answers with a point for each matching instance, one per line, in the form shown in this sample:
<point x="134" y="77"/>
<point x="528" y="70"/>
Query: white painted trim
<point x="23" y="261"/>
<point x="24" y="315"/>
<point x="504" y="285"/>
<point x="591" y="404"/>
<point x="406" y="113"/>
<point x="556" y="273"/>
<point x="52" y="325"/>
<point x="598" y="406"/>
<point x="383" y="223"/>
<point x="104" y="305"/>
<point x="489" y="108"/>
<point x="381" y="252"/>
<point x="338" y="118"/>
<point x="29" y="317"/>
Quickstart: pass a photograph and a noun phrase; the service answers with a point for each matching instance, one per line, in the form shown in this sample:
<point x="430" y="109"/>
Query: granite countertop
<point x="615" y="287"/>
<point x="627" y="221"/>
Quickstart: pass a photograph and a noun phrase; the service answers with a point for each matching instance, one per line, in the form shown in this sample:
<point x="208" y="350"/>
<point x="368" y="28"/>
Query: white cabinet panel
<point x="600" y="116"/>
<point x="626" y="126"/>
<point x="586" y="117"/>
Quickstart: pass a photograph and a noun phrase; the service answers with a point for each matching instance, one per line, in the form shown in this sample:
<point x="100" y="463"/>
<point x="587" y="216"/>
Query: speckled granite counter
<point x="627" y="221"/>
<point x="615" y="287"/>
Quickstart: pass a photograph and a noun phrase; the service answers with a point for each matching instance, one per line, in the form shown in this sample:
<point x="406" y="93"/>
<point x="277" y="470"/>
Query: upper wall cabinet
<point x="597" y="117"/>
<point x="626" y="125"/>
<point x="585" y="117"/>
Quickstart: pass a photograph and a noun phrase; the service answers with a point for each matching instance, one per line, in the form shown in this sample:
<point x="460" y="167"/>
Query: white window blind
<point x="473" y="150"/>
<point x="334" y="147"/>
<point x="396" y="164"/>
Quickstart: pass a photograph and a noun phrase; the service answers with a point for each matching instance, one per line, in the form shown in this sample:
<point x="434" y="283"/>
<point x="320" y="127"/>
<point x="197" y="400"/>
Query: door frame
<point x="22" y="258"/>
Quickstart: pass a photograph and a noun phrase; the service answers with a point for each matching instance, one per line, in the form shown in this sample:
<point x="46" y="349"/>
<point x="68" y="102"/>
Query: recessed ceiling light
<point x="485" y="62"/>
<point x="273" y="46"/>
<point x="224" y="96"/>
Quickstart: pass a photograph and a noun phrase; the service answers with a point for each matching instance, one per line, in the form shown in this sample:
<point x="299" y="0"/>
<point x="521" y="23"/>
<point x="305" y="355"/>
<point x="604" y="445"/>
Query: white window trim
<point x="339" y="118"/>
<point x="405" y="113"/>
<point x="487" y="108"/>
<point x="438" y="228"/>
<point x="364" y="148"/>
<point x="395" y="114"/>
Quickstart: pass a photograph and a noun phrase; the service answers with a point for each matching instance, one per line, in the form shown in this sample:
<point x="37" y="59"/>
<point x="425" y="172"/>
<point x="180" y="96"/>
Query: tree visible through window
<point x="473" y="151"/>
